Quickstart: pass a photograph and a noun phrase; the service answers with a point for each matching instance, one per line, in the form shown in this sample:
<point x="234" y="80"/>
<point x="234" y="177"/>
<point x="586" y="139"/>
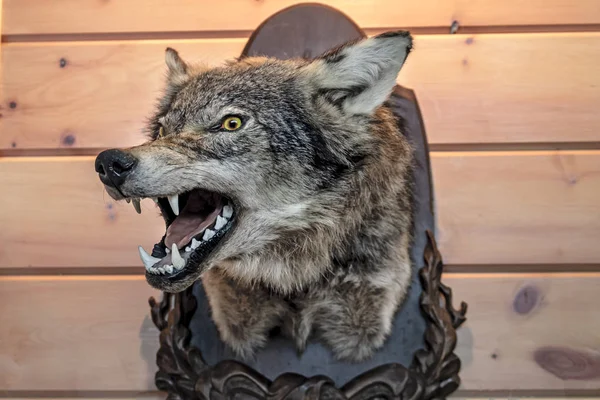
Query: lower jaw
<point x="172" y="285"/>
<point x="196" y="264"/>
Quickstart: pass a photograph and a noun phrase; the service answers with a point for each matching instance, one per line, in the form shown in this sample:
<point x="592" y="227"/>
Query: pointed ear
<point x="359" y="77"/>
<point x="178" y="69"/>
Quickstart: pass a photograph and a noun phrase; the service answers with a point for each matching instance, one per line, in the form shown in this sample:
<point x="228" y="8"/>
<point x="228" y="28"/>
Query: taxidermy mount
<point x="285" y="186"/>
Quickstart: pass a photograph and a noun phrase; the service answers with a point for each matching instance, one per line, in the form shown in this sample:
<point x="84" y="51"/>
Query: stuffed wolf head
<point x="266" y="167"/>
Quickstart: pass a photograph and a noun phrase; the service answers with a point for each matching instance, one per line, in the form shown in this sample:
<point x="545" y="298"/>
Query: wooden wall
<point x="512" y="108"/>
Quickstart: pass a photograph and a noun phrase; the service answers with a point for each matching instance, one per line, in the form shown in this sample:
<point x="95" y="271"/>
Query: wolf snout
<point x="113" y="166"/>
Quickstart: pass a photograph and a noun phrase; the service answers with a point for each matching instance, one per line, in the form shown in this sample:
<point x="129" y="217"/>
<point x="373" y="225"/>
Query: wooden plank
<point x="100" y="96"/>
<point x="58" y="215"/>
<point x="530" y="88"/>
<point x="109" y="396"/>
<point x="94" y="333"/>
<point x="162" y="396"/>
<point x="515" y="88"/>
<point x="1" y="19"/>
<point x="492" y="208"/>
<point x="514" y="320"/>
<point x="77" y="333"/>
<point x="133" y="396"/>
<point x="518" y="207"/>
<point x="79" y="16"/>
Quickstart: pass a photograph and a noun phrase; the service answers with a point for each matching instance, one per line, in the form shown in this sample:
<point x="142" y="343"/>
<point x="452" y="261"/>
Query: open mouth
<point x="196" y="223"/>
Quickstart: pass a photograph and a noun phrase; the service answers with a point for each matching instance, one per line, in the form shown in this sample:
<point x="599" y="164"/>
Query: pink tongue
<point x="188" y="224"/>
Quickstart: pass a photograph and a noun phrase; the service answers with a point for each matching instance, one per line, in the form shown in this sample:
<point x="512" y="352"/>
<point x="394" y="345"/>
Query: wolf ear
<point x="178" y="69"/>
<point x="359" y="77"/>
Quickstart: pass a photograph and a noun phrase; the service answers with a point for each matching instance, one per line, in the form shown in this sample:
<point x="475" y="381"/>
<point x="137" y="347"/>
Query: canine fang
<point x="174" y="202"/>
<point x="147" y="259"/>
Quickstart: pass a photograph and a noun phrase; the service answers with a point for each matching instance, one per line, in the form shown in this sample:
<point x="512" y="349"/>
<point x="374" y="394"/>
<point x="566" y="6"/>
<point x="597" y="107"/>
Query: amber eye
<point x="231" y="124"/>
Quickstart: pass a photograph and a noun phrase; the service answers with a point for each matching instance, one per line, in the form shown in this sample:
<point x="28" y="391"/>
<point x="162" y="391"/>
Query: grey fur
<point x="320" y="177"/>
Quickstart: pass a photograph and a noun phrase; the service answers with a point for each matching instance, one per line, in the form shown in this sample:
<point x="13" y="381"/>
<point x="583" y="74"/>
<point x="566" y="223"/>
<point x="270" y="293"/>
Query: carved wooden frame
<point x="433" y="374"/>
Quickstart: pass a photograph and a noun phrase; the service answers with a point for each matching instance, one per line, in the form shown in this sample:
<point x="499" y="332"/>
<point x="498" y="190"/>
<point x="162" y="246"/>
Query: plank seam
<point x="513" y="394"/>
<point x="73" y="394"/>
<point x="174" y="35"/>
<point x="97" y="394"/>
<point x="433" y="147"/>
<point x="448" y="270"/>
<point x="521" y="268"/>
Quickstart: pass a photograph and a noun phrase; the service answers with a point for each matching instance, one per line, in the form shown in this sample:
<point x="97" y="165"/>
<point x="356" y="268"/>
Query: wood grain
<point x="492" y="208"/>
<point x="497" y="344"/>
<point x="162" y="396"/>
<point x="100" y="96"/>
<point x="57" y="214"/>
<point x="79" y="16"/>
<point x="518" y="207"/>
<point x="511" y="88"/>
<point x="1" y="64"/>
<point x="76" y="333"/>
<point x="109" y="396"/>
<point x="94" y="333"/>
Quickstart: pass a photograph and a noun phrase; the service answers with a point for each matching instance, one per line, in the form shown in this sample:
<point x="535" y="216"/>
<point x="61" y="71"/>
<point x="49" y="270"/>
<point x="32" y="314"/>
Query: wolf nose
<point x="113" y="166"/>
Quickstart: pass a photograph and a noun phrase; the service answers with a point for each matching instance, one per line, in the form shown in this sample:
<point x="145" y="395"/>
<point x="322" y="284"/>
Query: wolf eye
<point x="231" y="123"/>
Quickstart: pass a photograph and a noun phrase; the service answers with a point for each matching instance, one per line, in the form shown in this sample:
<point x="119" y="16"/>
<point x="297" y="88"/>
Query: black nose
<point x="113" y="166"/>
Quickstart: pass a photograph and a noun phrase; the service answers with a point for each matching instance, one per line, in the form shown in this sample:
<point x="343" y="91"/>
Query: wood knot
<point x="12" y="104"/>
<point x="112" y="215"/>
<point x="62" y="62"/>
<point x="526" y="300"/>
<point x="67" y="139"/>
<point x="568" y="364"/>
